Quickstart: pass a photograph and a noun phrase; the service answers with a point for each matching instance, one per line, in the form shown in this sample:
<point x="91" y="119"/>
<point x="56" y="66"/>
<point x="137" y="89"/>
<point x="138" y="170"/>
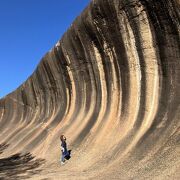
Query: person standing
<point x="64" y="150"/>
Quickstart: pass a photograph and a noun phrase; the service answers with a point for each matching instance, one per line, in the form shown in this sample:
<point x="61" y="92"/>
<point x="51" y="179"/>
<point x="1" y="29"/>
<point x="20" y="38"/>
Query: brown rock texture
<point x="112" y="86"/>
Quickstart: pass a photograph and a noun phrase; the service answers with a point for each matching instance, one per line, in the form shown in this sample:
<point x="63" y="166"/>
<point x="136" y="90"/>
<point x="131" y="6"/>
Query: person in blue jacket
<point x="65" y="152"/>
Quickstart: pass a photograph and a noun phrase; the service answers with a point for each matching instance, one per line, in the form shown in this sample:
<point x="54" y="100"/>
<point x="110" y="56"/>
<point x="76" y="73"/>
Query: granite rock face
<point x="112" y="86"/>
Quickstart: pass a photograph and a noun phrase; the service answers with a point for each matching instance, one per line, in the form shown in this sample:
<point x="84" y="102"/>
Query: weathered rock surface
<point x="112" y="86"/>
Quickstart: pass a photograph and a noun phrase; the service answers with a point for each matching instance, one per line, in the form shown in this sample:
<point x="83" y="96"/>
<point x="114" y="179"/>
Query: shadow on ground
<point x="3" y="147"/>
<point x="19" y="166"/>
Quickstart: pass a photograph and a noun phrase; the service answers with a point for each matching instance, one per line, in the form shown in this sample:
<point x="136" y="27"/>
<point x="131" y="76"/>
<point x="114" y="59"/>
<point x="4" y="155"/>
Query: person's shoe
<point x="62" y="163"/>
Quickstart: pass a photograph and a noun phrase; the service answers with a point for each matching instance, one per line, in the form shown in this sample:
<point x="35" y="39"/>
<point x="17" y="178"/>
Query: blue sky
<point x="28" y="29"/>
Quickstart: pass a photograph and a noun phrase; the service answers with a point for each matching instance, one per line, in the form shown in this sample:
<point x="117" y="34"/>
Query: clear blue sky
<point x="28" y="29"/>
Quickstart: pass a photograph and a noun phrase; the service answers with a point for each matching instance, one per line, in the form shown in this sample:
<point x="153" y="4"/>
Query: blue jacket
<point x="64" y="147"/>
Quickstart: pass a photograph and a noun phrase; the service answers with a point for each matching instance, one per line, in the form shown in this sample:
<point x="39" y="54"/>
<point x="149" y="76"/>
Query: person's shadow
<point x="68" y="156"/>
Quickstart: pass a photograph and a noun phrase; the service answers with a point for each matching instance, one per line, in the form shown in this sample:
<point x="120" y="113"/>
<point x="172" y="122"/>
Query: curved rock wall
<point x="111" y="85"/>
